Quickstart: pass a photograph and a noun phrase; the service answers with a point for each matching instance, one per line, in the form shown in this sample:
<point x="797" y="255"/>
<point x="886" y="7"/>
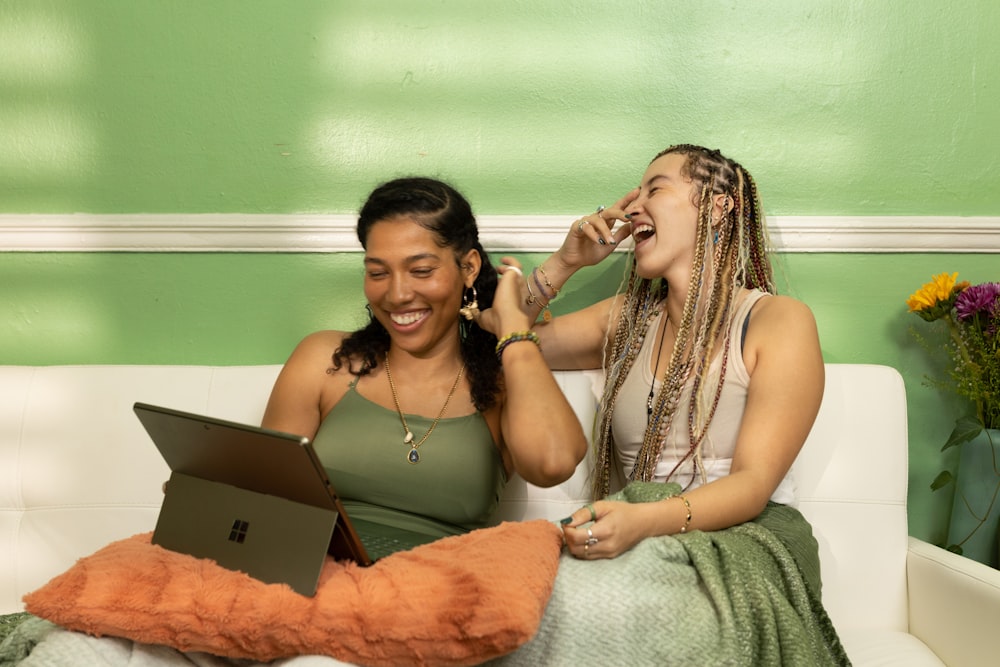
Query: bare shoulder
<point x="316" y="346"/>
<point x="777" y="312"/>
<point x="307" y="386"/>
<point x="327" y="339"/>
<point x="782" y="329"/>
<point x="311" y="362"/>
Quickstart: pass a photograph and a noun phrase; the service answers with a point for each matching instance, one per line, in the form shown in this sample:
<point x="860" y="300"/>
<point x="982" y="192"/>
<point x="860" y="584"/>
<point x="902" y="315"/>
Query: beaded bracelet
<point x="514" y="337"/>
<point x="687" y="506"/>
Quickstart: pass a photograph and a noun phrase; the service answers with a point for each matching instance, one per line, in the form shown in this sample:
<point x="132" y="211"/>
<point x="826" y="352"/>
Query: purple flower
<point x="978" y="299"/>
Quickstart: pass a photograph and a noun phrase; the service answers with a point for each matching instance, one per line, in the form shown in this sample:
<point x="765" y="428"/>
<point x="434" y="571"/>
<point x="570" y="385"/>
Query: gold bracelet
<point x="531" y="299"/>
<point x="545" y="278"/>
<point x="687" y="506"/>
<point x="546" y="313"/>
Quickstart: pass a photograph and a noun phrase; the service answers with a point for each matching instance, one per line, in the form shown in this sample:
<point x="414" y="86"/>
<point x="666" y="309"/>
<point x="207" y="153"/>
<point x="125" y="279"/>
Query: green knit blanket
<point x="748" y="595"/>
<point x="19" y="633"/>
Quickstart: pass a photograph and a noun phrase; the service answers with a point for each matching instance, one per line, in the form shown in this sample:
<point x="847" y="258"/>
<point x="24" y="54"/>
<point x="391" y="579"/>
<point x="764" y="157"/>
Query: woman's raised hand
<point x="509" y="311"/>
<point x="593" y="237"/>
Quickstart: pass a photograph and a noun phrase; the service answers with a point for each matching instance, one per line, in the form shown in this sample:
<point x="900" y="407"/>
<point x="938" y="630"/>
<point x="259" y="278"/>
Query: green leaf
<point x="966" y="428"/>
<point x="944" y="478"/>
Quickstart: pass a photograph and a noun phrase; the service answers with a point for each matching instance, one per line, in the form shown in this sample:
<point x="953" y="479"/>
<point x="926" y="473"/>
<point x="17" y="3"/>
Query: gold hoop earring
<point x="470" y="307"/>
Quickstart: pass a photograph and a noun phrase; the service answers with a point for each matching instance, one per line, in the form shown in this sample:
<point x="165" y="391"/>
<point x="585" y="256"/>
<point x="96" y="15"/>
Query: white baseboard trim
<point x="504" y="233"/>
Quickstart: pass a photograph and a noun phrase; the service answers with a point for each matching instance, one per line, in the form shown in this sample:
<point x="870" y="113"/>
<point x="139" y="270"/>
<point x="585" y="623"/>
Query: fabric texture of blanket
<point x="748" y="595"/>
<point x="19" y="634"/>
<point x="456" y="601"/>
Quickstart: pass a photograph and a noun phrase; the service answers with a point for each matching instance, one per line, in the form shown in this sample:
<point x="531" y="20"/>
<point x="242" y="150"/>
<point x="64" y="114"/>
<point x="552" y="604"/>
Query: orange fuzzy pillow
<point x="458" y="601"/>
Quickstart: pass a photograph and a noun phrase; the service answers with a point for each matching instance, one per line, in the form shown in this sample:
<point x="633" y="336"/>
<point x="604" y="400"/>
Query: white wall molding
<point x="512" y="233"/>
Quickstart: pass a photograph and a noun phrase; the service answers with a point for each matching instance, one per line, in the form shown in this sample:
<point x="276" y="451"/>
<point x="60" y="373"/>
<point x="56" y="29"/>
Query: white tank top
<point x="629" y="420"/>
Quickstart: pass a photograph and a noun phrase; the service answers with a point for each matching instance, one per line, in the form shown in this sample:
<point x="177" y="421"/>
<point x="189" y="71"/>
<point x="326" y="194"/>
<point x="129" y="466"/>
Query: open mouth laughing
<point x="642" y="231"/>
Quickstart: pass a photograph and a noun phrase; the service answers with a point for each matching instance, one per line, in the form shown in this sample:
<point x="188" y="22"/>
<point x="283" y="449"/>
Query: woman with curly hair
<point x="421" y="416"/>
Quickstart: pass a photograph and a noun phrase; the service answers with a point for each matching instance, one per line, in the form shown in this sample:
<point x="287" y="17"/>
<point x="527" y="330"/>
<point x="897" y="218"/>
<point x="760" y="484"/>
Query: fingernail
<point x="628" y="216"/>
<point x="613" y="242"/>
<point x="602" y="241"/>
<point x="566" y="521"/>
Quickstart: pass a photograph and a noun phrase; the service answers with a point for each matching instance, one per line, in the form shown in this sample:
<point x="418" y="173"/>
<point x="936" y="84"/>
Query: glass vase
<point x="975" y="512"/>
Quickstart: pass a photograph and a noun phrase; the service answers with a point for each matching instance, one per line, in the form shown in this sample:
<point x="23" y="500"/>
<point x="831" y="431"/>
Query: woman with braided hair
<point x="711" y="385"/>
<point x="712" y="380"/>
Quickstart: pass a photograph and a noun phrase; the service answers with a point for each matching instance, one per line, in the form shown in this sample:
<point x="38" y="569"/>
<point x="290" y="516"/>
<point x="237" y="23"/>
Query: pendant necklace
<point x="659" y="351"/>
<point x="413" y="456"/>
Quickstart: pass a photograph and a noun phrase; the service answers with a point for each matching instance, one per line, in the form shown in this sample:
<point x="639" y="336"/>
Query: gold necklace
<point x="413" y="456"/>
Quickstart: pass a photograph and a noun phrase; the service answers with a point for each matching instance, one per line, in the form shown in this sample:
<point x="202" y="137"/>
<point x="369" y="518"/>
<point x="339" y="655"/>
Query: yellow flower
<point x="939" y="289"/>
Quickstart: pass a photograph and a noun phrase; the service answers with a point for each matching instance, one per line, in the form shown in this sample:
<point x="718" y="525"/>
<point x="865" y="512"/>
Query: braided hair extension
<point x="730" y="253"/>
<point x="440" y="208"/>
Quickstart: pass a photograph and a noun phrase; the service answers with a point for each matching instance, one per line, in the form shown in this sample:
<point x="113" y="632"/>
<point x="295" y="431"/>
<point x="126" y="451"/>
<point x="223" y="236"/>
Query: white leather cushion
<point x="851" y="477"/>
<point x="873" y="648"/>
<point x="522" y="501"/>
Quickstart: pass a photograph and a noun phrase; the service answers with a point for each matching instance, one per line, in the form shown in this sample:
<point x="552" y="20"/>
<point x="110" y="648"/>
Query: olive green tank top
<point x="454" y="488"/>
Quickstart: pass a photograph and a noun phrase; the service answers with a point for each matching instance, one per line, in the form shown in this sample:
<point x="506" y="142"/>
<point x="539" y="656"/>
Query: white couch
<point x="77" y="472"/>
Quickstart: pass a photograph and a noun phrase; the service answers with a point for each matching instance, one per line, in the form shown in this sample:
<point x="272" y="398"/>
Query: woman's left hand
<point x="603" y="529"/>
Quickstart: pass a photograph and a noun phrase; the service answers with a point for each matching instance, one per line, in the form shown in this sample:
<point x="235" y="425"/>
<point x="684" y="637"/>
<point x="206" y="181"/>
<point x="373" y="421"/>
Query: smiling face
<point x="414" y="286"/>
<point x="664" y="217"/>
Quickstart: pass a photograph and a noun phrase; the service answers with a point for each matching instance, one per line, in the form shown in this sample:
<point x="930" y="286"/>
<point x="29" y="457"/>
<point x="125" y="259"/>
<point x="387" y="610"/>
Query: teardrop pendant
<point x="413" y="456"/>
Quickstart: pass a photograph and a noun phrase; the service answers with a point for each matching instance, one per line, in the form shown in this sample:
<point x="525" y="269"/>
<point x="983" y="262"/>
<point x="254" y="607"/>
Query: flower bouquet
<point x="971" y="314"/>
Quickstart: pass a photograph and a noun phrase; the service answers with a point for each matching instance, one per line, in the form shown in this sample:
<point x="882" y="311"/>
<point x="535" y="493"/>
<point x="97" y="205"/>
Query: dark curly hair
<point x="440" y="208"/>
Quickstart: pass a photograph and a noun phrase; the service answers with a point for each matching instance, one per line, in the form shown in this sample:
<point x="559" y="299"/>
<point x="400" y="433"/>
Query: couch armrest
<point x="954" y="604"/>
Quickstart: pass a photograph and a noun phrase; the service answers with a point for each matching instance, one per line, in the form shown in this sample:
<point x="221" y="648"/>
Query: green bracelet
<point x="514" y="337"/>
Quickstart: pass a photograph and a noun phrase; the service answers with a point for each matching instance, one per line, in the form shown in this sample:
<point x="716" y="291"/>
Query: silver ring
<point x="600" y="209"/>
<point x="579" y="226"/>
<point x="515" y="269"/>
<point x="591" y="540"/>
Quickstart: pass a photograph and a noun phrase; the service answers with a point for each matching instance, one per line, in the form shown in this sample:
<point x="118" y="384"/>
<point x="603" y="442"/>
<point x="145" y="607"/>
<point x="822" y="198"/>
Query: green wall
<point x="848" y="108"/>
<point x="839" y="106"/>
